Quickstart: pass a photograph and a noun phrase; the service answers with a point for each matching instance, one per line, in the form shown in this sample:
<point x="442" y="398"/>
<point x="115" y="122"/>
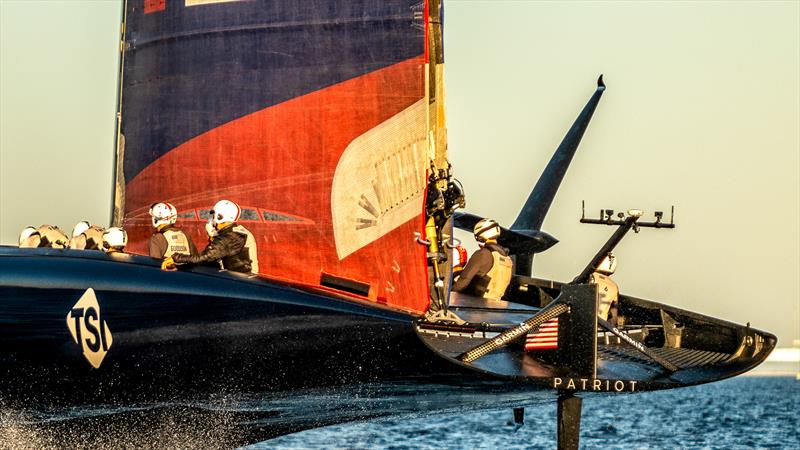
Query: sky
<point x="702" y="111"/>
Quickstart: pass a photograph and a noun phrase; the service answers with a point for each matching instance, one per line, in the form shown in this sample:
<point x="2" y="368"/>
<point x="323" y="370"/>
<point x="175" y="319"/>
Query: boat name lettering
<point x="594" y="384"/>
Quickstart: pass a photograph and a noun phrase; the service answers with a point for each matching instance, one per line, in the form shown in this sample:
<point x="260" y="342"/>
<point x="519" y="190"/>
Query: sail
<point x="319" y="118"/>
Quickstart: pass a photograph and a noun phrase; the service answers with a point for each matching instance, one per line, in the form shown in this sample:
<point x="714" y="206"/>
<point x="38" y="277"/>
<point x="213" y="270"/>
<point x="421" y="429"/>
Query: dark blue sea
<point x="741" y="413"/>
<point x="752" y="412"/>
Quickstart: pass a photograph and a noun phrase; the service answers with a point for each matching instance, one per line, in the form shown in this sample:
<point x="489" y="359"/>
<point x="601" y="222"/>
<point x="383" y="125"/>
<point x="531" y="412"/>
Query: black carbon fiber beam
<point x="612" y="242"/>
<point x="638" y="345"/>
<point x="569" y="422"/>
<point x="506" y="337"/>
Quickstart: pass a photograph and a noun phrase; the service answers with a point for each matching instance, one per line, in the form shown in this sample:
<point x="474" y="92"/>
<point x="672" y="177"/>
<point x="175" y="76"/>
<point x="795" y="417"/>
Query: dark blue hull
<point x="206" y="350"/>
<point x="182" y="335"/>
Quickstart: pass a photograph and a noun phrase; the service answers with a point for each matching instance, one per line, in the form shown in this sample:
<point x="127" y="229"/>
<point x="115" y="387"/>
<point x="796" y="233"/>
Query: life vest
<point x="177" y="242"/>
<point x="498" y="277"/>
<point x="52" y="237"/>
<point x="94" y="238"/>
<point x="609" y="293"/>
<point x="250" y="245"/>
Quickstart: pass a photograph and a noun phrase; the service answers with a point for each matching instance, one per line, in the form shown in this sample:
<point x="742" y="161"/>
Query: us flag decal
<point x="546" y="337"/>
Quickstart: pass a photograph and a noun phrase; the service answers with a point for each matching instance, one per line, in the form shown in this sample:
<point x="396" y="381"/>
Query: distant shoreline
<point x="757" y="374"/>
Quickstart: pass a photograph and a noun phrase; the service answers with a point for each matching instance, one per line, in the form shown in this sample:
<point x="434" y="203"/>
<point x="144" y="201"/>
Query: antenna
<point x="625" y="222"/>
<point x="607" y="218"/>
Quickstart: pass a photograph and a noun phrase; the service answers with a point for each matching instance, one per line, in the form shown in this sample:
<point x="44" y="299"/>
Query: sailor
<point x="29" y="238"/>
<point x="49" y="236"/>
<point x="86" y="237"/>
<point x="114" y="240"/>
<point x="211" y="232"/>
<point x="233" y="246"/>
<point x="168" y="239"/>
<point x="606" y="288"/>
<point x="488" y="273"/>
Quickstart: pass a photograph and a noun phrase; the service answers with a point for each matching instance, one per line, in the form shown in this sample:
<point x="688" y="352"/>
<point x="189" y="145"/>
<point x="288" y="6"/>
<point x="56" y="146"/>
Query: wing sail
<point x="319" y="118"/>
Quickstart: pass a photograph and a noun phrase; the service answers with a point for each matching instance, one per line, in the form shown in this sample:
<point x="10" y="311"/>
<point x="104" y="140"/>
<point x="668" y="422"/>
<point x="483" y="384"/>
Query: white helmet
<point x="80" y="228"/>
<point x="115" y="238"/>
<point x="608" y="265"/>
<point x="486" y="229"/>
<point x="225" y="211"/>
<point x="26" y="233"/>
<point x="163" y="213"/>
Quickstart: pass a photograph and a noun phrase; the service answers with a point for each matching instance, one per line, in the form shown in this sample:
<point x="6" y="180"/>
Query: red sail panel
<point x="331" y="180"/>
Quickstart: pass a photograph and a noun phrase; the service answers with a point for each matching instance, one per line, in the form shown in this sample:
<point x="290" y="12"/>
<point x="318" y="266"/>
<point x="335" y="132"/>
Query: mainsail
<point x="321" y="118"/>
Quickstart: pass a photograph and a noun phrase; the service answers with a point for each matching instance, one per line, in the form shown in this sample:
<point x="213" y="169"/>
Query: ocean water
<point x="741" y="413"/>
<point x="753" y="412"/>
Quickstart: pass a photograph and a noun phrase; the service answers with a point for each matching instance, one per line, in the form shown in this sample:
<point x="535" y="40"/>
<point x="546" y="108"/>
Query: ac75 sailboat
<point x="325" y="120"/>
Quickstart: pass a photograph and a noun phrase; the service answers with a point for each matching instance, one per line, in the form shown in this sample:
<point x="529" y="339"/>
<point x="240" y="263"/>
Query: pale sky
<point x="702" y="111"/>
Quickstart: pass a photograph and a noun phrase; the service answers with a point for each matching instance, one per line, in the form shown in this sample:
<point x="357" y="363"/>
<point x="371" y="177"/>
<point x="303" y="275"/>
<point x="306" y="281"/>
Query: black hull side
<point x="207" y="350"/>
<point x="180" y="336"/>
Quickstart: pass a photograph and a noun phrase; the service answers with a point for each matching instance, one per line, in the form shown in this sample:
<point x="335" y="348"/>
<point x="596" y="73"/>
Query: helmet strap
<point x="221" y="225"/>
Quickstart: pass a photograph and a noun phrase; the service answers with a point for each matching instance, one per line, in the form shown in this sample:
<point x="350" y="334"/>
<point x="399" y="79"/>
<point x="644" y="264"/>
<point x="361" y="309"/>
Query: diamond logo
<point x="88" y="328"/>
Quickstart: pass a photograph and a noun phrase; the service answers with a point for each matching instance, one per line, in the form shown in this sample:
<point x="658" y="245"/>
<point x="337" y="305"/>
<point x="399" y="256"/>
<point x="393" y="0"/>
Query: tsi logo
<point x="88" y="328"/>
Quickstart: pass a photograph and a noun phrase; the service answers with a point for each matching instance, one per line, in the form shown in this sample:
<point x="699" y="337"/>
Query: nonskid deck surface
<point x="476" y="310"/>
<point x="684" y="358"/>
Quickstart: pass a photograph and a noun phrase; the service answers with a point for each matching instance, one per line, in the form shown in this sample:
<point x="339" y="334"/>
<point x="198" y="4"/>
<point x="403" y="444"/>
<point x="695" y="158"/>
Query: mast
<point x="118" y="199"/>
<point x="435" y="81"/>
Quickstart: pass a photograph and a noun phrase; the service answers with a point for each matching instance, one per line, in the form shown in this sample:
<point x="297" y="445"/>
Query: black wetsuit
<point x="227" y="246"/>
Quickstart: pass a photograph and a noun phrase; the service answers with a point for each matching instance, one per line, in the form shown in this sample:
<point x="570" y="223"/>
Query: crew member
<point x="86" y="237"/>
<point x="44" y="236"/>
<point x="607" y="288"/>
<point x="211" y="232"/>
<point x="29" y="238"/>
<point x="233" y="245"/>
<point x="168" y="239"/>
<point x="488" y="273"/>
<point x="114" y="240"/>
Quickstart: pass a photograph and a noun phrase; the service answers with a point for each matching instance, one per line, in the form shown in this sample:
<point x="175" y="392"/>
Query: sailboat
<point x="325" y="121"/>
